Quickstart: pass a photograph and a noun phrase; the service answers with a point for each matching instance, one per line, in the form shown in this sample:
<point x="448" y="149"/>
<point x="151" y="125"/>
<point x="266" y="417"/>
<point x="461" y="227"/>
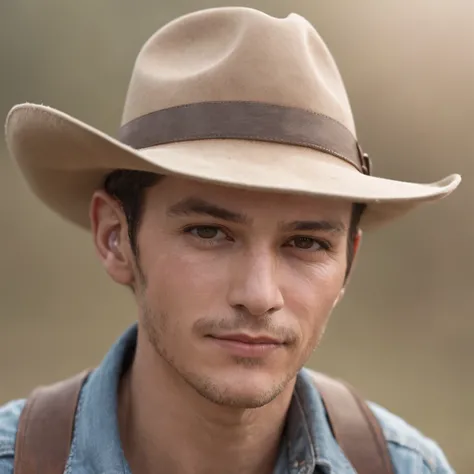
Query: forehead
<point x="253" y="203"/>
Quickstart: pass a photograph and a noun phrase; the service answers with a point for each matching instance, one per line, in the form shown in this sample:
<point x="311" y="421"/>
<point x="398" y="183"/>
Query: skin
<point x="216" y="263"/>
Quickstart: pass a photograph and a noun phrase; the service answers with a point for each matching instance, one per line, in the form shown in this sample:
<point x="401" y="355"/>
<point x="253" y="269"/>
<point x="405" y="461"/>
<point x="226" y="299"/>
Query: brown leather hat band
<point x="245" y="120"/>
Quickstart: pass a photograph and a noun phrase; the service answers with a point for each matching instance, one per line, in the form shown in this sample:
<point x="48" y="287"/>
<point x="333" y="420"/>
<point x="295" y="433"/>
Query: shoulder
<point x="9" y="416"/>
<point x="411" y="451"/>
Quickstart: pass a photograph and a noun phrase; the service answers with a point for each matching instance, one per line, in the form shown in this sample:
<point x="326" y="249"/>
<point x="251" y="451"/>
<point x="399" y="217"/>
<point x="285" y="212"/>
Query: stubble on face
<point x="176" y="278"/>
<point x="156" y="326"/>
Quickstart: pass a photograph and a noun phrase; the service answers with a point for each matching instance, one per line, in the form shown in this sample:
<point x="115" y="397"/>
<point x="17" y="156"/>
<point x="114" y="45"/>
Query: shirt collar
<point x="311" y="444"/>
<point x="96" y="441"/>
<point x="308" y="442"/>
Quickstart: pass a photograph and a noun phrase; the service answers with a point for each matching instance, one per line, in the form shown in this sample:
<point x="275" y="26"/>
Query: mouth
<point x="248" y="339"/>
<point x="244" y="345"/>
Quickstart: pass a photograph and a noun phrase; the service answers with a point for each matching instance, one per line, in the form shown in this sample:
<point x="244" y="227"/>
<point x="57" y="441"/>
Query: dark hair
<point x="128" y="188"/>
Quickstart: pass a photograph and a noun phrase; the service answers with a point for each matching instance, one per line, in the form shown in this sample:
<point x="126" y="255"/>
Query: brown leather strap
<point x="245" y="120"/>
<point x="355" y="427"/>
<point x="45" y="427"/>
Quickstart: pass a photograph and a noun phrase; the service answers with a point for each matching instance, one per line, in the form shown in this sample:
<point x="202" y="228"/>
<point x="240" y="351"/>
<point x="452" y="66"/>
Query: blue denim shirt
<point x="307" y="446"/>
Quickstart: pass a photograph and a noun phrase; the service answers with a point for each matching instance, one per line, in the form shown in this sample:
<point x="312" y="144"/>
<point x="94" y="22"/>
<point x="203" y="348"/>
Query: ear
<point x="339" y="297"/>
<point x="110" y="234"/>
<point x="357" y="242"/>
<point x="355" y="250"/>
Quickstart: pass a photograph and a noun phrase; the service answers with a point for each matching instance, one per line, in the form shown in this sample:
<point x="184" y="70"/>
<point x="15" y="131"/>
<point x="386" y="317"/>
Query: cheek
<point x="310" y="296"/>
<point x="183" y="283"/>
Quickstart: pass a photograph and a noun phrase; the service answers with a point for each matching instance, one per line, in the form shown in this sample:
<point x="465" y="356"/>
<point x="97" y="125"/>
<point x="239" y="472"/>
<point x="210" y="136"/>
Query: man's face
<point x="235" y="287"/>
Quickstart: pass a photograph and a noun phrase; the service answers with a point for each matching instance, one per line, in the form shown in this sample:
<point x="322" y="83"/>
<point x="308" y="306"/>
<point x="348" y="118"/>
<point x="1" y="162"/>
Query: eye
<point x="206" y="232"/>
<point x="307" y="243"/>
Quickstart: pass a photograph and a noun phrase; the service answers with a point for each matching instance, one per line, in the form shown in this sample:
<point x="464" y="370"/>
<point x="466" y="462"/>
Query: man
<point x="231" y="205"/>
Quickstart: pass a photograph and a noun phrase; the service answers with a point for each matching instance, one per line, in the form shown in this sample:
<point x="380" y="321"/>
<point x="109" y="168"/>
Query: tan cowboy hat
<point x="230" y="96"/>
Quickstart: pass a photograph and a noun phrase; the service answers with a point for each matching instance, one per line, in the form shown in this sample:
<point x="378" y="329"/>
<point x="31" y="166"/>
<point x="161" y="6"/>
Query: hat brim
<point x="65" y="160"/>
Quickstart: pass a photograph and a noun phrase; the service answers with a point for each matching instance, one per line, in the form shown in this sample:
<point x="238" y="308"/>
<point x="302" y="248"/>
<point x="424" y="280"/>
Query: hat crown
<point x="237" y="54"/>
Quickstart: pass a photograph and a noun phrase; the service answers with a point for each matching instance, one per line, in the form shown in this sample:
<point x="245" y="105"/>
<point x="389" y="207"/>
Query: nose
<point x="254" y="285"/>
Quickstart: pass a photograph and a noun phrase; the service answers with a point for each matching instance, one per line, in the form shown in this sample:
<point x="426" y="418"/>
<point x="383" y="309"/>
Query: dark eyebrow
<point x="198" y="206"/>
<point x="193" y="205"/>
<point x="336" y="227"/>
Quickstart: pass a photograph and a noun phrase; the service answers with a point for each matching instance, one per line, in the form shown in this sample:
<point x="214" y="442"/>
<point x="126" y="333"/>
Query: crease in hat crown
<point x="237" y="54"/>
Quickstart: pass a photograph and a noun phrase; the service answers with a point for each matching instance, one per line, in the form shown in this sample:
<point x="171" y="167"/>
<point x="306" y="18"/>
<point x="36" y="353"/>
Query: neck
<point x="165" y="423"/>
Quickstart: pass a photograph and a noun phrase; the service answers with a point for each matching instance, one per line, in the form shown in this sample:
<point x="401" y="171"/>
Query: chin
<point x="241" y="390"/>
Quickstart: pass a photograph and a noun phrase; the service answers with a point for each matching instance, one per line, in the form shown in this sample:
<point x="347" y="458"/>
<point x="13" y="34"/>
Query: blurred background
<point x="404" y="335"/>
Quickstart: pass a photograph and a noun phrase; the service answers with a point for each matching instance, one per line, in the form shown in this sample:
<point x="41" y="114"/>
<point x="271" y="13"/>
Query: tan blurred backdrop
<point x="404" y="334"/>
